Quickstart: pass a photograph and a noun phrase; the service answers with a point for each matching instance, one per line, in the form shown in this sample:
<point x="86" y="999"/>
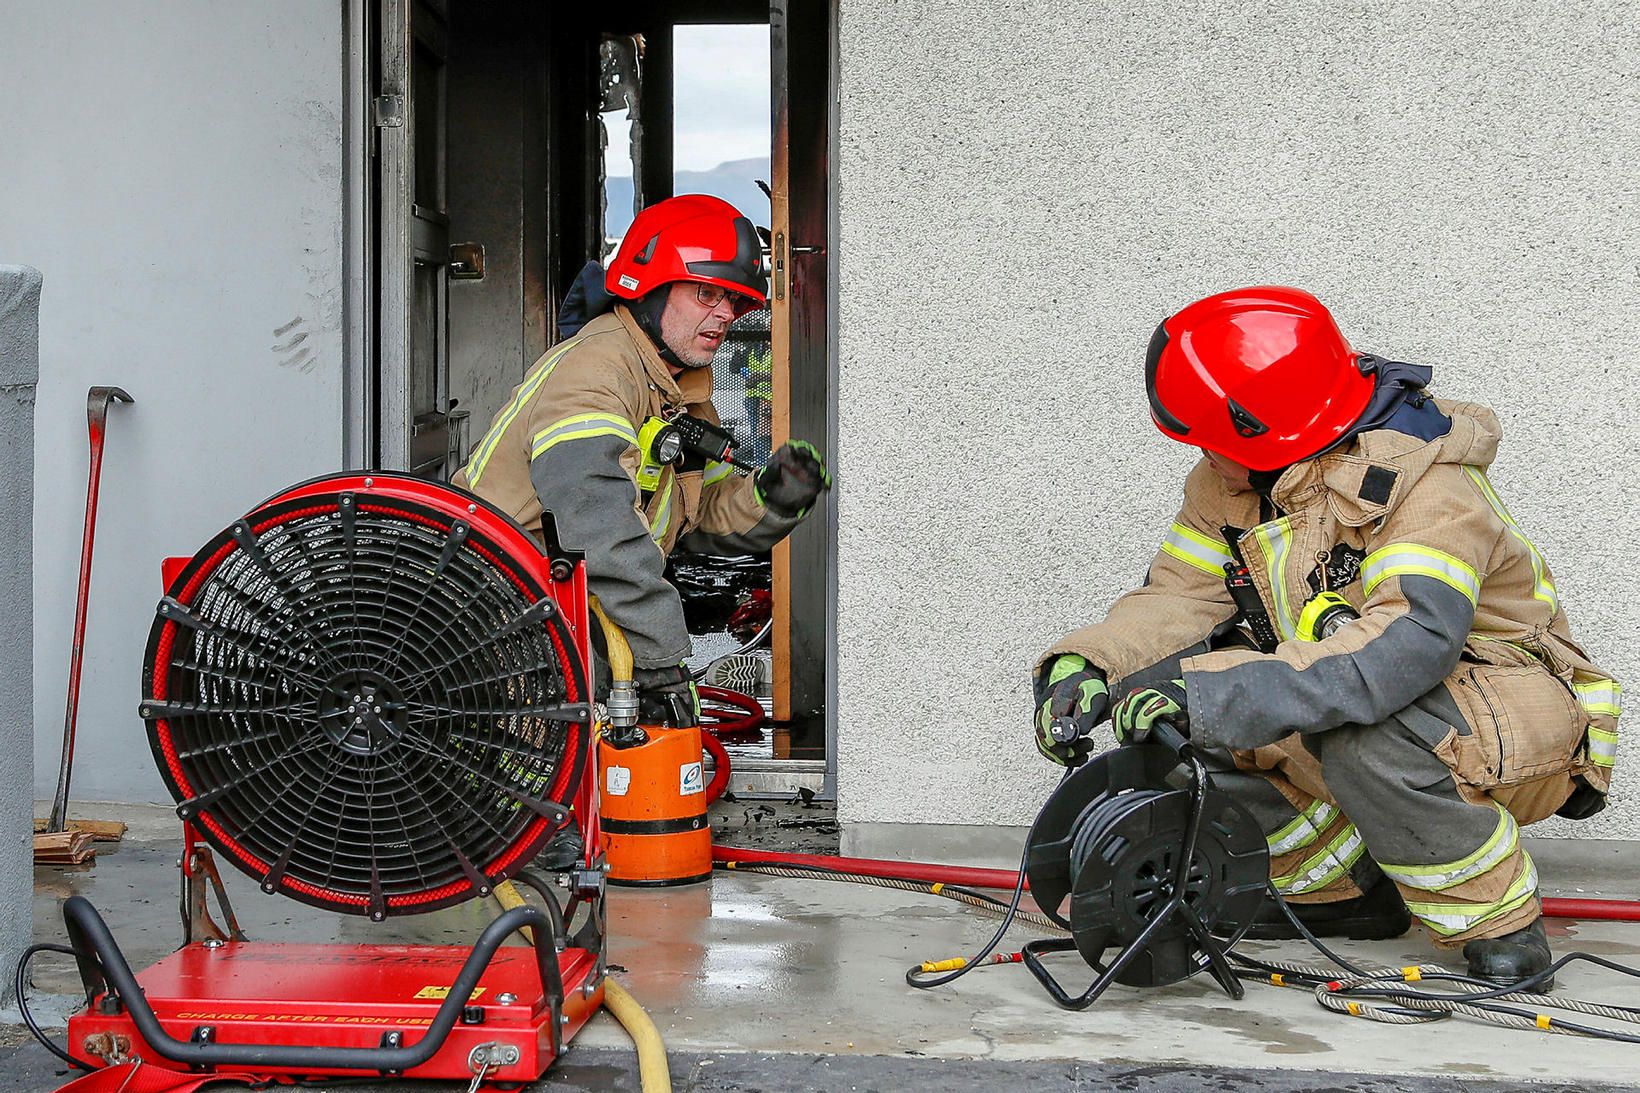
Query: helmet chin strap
<point x="647" y="310"/>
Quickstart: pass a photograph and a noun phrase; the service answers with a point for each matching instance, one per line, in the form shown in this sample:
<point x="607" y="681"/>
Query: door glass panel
<point x="424" y="339"/>
<point x="427" y="103"/>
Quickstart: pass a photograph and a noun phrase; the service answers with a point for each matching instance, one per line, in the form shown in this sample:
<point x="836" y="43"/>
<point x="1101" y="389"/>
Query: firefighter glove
<point x="1137" y="712"/>
<point x="667" y="696"/>
<point x="1071" y="698"/>
<point x="792" y="480"/>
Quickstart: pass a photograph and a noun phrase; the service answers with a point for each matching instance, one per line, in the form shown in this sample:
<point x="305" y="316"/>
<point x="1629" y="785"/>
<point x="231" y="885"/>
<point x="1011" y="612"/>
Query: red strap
<point x="139" y="1077"/>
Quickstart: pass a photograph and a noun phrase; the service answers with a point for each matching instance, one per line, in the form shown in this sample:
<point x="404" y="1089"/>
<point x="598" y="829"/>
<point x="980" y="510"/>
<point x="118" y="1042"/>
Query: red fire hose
<point x="728" y="713"/>
<point x="1594" y="910"/>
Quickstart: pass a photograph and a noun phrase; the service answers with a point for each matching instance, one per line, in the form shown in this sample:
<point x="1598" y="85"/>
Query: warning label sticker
<point x="617" y="781"/>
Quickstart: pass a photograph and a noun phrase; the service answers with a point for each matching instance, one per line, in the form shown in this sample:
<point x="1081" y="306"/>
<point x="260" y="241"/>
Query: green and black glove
<point x="1139" y="710"/>
<point x="1071" y="698"/>
<point x="793" y="478"/>
<point x="667" y="696"/>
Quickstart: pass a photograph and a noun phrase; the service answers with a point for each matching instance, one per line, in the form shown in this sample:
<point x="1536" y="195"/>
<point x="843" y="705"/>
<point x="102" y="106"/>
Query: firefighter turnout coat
<point x="566" y="442"/>
<point x="1450" y="590"/>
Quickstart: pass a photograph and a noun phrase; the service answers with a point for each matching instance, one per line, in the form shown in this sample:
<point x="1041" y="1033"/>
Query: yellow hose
<point x="619" y="650"/>
<point x="653" y="1072"/>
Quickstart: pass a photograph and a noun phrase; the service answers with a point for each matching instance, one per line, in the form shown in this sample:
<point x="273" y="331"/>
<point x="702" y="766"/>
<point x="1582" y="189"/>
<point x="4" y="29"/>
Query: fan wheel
<point x="367" y="696"/>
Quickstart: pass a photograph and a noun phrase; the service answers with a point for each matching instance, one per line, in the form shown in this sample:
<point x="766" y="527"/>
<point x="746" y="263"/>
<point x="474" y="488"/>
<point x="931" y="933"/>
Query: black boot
<point x="1375" y="914"/>
<point x="1511" y="958"/>
<point x="563" y="851"/>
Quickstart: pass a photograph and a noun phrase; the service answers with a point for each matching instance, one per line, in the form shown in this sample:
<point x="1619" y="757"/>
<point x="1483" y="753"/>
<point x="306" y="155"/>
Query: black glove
<point x="793" y="478"/>
<point x="667" y="696"/>
<point x="1142" y="707"/>
<point x="1071" y="698"/>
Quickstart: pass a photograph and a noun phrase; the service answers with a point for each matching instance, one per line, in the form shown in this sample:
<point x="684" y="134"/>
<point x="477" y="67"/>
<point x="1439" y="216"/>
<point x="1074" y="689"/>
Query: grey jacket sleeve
<point x="1362" y="674"/>
<point x="593" y="502"/>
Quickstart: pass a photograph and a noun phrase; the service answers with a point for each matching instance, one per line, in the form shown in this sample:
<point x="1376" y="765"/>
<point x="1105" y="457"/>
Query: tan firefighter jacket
<point x="566" y="442"/>
<point x="1449" y="587"/>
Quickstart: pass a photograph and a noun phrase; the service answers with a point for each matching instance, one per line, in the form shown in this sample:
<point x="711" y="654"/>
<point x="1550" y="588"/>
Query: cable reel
<point x="1138" y="852"/>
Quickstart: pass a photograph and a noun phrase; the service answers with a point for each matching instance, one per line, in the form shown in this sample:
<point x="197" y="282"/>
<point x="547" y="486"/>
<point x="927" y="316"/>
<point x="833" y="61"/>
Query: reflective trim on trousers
<point x="1450" y="919"/>
<point x="1332" y="862"/>
<point x="1304" y="829"/>
<point x="1505" y="839"/>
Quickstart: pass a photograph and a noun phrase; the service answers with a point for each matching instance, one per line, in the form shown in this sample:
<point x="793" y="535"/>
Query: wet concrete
<point x="777" y="984"/>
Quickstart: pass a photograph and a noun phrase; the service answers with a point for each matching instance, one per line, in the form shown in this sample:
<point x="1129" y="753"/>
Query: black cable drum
<point x="1105" y="855"/>
<point x="367" y="697"/>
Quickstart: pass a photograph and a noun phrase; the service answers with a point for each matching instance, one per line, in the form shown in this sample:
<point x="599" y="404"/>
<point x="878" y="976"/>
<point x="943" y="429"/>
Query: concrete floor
<point x="761" y="983"/>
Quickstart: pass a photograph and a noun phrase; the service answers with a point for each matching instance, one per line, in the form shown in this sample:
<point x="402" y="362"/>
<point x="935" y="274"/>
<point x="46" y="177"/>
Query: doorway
<point x="509" y="143"/>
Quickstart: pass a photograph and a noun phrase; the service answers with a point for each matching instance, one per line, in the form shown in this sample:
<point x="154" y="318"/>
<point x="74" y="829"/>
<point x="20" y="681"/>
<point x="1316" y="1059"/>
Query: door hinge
<point x="390" y="111"/>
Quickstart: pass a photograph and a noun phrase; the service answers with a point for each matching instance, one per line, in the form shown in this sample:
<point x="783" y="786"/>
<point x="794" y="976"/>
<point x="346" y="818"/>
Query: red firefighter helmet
<point x="692" y="237"/>
<point x="1259" y="375"/>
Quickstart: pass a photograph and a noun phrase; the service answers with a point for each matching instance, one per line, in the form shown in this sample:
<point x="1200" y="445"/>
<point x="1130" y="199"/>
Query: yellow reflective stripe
<point x="715" y="472"/>
<point x="1436" y="878"/>
<point x="1197" y="550"/>
<point x="1321" y="869"/>
<point x="1602" y="696"/>
<point x="1448" y="919"/>
<point x="1275" y="540"/>
<point x="1304" y="829"/>
<point x="580" y="427"/>
<point x="1407" y="559"/>
<point x="663" y="514"/>
<point x="526" y="391"/>
<point x="1602" y="747"/>
<point x="1542" y="587"/>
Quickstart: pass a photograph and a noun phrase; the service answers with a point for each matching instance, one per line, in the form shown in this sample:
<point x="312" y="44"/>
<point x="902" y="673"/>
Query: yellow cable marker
<point x="1278" y="979"/>
<point x="1543" y="1021"/>
<point x="945" y="965"/>
<point x="1412" y="974"/>
<point x="1354" y="1008"/>
<point x="936" y="889"/>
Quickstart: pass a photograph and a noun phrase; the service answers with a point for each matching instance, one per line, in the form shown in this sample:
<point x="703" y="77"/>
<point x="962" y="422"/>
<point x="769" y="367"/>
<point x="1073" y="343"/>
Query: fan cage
<point x="366" y="701"/>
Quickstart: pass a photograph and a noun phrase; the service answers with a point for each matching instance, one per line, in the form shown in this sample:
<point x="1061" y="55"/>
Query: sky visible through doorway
<point x="721" y="104"/>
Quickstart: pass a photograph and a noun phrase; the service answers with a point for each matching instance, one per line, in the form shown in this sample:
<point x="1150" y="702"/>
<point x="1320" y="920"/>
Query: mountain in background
<point x="735" y="182"/>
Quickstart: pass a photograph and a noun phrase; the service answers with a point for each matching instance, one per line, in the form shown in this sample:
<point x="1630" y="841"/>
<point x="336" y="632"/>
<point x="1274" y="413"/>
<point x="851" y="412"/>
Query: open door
<point x="799" y="39"/>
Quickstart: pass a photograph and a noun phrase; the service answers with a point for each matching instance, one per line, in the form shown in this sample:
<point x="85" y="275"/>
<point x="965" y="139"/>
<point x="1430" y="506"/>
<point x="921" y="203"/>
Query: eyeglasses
<point x="712" y="295"/>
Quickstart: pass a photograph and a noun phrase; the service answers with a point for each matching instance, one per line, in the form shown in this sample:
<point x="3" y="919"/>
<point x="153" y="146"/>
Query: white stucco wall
<point x="175" y="171"/>
<point x="1027" y="191"/>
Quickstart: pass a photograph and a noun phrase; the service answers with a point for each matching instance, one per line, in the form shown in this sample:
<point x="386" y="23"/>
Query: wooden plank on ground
<point x="63" y="848"/>
<point x="101" y="830"/>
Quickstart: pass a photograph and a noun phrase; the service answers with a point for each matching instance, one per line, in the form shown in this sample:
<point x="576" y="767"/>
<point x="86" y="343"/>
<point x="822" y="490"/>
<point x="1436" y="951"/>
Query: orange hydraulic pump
<point x="651" y="779"/>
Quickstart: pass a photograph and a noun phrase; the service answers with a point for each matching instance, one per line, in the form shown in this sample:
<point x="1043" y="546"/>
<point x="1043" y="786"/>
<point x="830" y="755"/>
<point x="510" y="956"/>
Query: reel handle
<point x="1169" y="737"/>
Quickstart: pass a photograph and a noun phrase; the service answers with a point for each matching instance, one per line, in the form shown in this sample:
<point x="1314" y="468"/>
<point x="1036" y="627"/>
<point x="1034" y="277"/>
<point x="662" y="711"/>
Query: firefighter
<point x="572" y="438"/>
<point x="1392" y="763"/>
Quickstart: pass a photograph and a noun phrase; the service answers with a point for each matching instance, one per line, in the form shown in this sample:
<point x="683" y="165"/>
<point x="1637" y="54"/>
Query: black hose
<point x="21" y="984"/>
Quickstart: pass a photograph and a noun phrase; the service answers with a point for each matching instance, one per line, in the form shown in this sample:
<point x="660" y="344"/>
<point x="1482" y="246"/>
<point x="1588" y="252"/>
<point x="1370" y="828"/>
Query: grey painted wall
<point x="175" y="172"/>
<point x="1456" y="180"/>
<point x="19" y="369"/>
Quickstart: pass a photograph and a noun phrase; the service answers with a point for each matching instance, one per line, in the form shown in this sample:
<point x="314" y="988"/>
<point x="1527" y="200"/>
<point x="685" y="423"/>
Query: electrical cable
<point x="21" y="982"/>
<point x="914" y="976"/>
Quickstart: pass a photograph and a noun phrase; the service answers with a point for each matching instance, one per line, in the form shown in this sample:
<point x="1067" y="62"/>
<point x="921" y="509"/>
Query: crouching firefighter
<point x="1355" y="633"/>
<point x="578" y="438"/>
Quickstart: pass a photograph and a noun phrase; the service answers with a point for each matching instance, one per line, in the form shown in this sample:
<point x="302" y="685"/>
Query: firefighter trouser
<point x="1407" y="798"/>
